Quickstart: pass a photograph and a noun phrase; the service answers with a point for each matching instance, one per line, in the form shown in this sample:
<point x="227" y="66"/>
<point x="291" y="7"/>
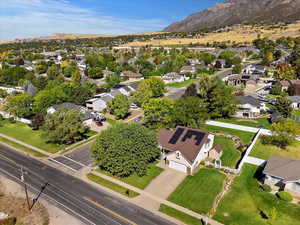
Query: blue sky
<point x="33" y="18"/>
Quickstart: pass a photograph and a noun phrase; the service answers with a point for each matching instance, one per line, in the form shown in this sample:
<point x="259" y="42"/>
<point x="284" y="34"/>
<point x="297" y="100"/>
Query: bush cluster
<point x="278" y="141"/>
<point x="266" y="188"/>
<point x="285" y="196"/>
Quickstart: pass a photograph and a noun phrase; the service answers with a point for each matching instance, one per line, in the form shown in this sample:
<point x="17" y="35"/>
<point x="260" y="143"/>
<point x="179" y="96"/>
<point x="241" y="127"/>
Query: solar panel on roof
<point x="198" y="136"/>
<point x="176" y="136"/>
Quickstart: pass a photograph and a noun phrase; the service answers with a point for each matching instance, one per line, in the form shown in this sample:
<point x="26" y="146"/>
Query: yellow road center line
<point x="110" y="211"/>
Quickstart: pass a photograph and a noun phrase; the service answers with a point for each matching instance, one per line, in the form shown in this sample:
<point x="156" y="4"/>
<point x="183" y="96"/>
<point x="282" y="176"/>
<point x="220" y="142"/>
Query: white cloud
<point x="32" y="18"/>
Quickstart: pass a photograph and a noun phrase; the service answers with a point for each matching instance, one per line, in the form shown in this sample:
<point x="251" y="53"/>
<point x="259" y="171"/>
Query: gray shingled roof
<point x="248" y="100"/>
<point x="284" y="168"/>
<point x="107" y="98"/>
<point x="68" y="105"/>
<point x="295" y="98"/>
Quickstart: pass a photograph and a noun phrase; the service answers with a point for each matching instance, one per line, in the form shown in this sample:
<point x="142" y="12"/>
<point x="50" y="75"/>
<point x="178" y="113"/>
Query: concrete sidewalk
<point x="155" y="198"/>
<point x="255" y="161"/>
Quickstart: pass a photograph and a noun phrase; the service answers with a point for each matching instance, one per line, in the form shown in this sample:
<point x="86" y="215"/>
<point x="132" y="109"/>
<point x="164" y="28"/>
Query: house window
<point x="177" y="155"/>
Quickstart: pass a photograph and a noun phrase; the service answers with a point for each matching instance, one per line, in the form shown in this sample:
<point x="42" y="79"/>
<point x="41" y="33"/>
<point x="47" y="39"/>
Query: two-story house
<point x="184" y="148"/>
<point x="249" y="107"/>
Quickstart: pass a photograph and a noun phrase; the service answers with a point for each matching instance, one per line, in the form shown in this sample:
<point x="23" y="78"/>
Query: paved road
<point x="74" y="195"/>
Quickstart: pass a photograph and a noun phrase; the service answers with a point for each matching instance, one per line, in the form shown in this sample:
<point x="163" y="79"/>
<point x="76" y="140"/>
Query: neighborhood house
<point x="249" y="107"/>
<point x="88" y="116"/>
<point x="283" y="174"/>
<point x="184" y="148"/>
<point x="295" y="100"/>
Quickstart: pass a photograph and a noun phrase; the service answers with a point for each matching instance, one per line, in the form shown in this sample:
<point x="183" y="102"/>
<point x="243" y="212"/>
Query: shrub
<point x="266" y="188"/>
<point x="266" y="140"/>
<point x="12" y="120"/>
<point x="1" y="118"/>
<point x="285" y="196"/>
<point x="9" y="221"/>
<point x="278" y="141"/>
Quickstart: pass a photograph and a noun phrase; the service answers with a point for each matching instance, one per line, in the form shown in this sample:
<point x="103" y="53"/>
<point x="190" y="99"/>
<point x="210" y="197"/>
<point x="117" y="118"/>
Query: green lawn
<point x="198" y="192"/>
<point x="243" y="203"/>
<point x="23" y="148"/>
<point x="24" y="133"/>
<point x="246" y="137"/>
<point x="231" y="155"/>
<point x="265" y="151"/>
<point x="296" y="112"/>
<point x="137" y="181"/>
<point x="259" y="122"/>
<point x="113" y="186"/>
<point x="185" y="218"/>
<point x="183" y="84"/>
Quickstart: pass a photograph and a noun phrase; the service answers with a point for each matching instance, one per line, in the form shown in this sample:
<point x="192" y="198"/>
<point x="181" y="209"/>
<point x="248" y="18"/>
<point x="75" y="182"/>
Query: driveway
<point x="82" y="155"/>
<point x="163" y="185"/>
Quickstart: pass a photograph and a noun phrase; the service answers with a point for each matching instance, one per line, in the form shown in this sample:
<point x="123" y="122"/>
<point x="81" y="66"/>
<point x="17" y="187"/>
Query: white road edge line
<point x="60" y="163"/>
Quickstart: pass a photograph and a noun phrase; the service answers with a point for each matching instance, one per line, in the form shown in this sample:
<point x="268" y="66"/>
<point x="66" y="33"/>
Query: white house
<point x="99" y="103"/>
<point x="188" y="69"/>
<point x="184" y="148"/>
<point x="295" y="101"/>
<point x="174" y="77"/>
<point x="283" y="174"/>
<point x="249" y="107"/>
<point x="88" y="117"/>
<point x="254" y="69"/>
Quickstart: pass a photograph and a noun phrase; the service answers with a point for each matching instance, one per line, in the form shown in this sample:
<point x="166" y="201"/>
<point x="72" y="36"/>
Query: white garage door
<point x="177" y="166"/>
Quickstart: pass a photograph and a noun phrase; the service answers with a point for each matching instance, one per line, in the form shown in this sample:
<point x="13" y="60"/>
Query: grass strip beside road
<point x="135" y="180"/>
<point x="185" y="218"/>
<point x="23" y="148"/>
<point x="113" y="186"/>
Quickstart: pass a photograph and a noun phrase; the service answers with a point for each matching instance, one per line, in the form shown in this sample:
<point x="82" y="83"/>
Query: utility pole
<point x="25" y="187"/>
<point x="37" y="198"/>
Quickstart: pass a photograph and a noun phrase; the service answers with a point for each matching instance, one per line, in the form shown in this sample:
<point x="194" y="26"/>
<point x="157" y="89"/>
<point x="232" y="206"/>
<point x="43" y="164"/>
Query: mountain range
<point x="234" y="12"/>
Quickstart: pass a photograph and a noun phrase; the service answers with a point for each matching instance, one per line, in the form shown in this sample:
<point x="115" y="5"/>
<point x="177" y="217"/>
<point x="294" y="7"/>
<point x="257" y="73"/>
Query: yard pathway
<point x="26" y="145"/>
<point x="255" y="161"/>
<point x="152" y="198"/>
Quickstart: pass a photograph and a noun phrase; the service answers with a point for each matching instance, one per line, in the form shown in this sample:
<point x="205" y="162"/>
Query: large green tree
<point x="159" y="113"/>
<point x="64" y="126"/>
<point x="125" y="149"/>
<point x="119" y="106"/>
<point x="283" y="106"/>
<point x="47" y="98"/>
<point x="20" y="105"/>
<point x="112" y="80"/>
<point x="218" y="97"/>
<point x="285" y="72"/>
<point x="153" y="87"/>
<point x="190" y="112"/>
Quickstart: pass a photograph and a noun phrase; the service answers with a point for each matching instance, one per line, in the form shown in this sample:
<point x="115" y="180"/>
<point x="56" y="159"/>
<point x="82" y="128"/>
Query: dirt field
<point x="14" y="204"/>
<point x="238" y="34"/>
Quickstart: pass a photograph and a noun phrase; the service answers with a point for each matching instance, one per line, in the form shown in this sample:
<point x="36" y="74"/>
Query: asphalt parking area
<point x="82" y="155"/>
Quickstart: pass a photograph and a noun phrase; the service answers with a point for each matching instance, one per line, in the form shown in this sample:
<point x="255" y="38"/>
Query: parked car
<point x="133" y="106"/>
